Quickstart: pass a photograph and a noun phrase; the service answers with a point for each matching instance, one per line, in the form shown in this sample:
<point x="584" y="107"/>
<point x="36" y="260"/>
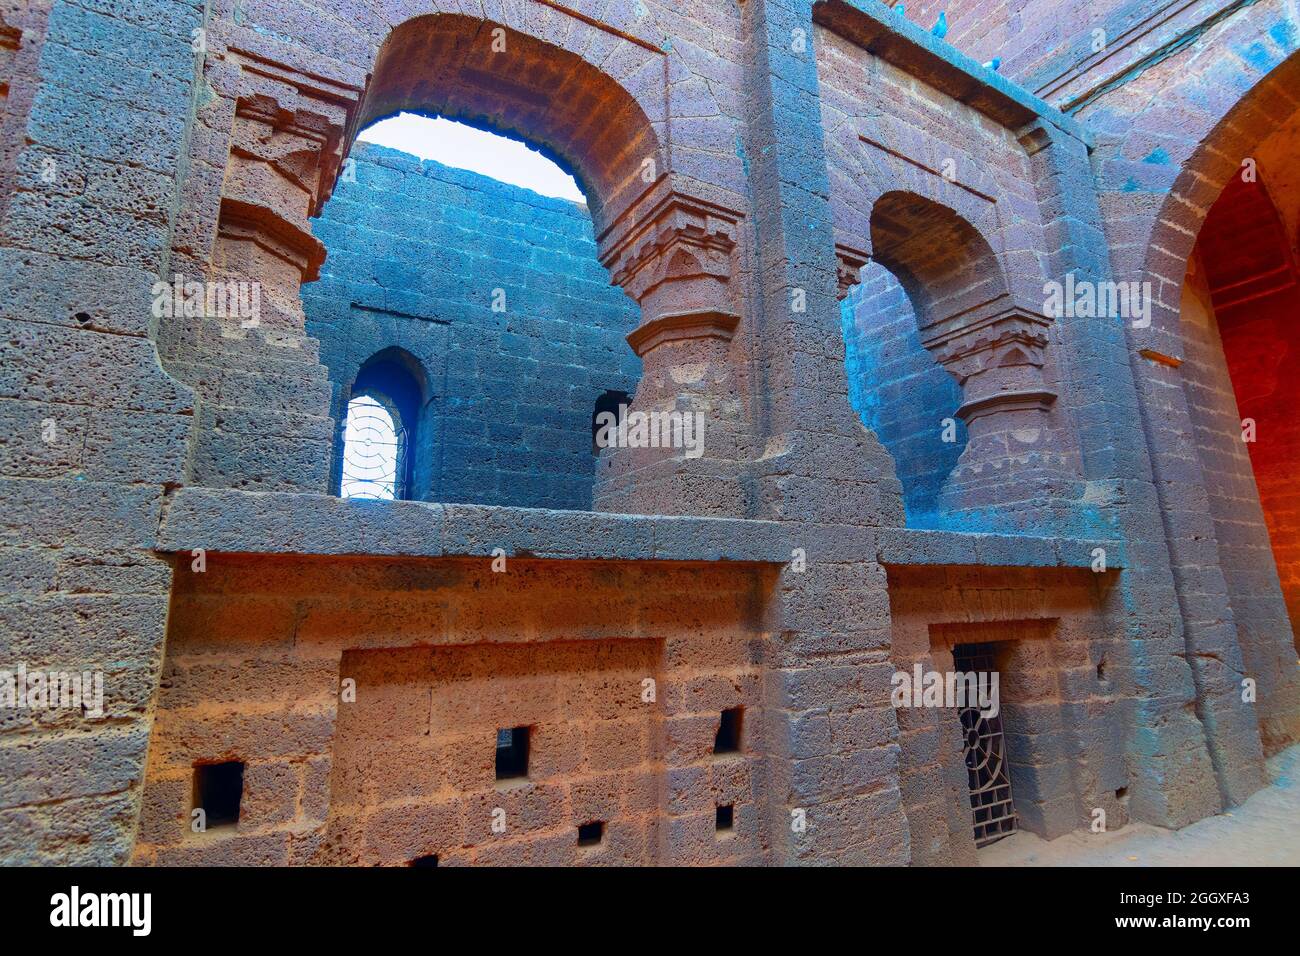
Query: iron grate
<point x="993" y="814"/>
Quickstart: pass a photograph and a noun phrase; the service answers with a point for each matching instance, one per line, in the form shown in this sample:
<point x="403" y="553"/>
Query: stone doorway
<point x="984" y="751"/>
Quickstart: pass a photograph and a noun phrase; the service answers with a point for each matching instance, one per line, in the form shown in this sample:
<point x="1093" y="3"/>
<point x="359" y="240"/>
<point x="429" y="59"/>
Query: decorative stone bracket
<point x="848" y="267"/>
<point x="996" y="353"/>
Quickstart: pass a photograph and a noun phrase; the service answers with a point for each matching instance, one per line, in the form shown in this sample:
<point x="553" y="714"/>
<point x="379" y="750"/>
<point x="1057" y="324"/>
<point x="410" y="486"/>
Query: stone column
<point x="831" y="736"/>
<point x="675" y="253"/>
<point x="1013" y="451"/>
<point x="263" y="397"/>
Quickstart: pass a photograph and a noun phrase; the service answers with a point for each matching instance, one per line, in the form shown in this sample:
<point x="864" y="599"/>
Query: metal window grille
<point x="993" y="814"/>
<point x="374" y="452"/>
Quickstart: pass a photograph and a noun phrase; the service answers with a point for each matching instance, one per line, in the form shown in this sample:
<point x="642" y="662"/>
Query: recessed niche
<point x="727" y="739"/>
<point x="512" y="753"/>
<point x="218" y="790"/>
<point x="591" y="834"/>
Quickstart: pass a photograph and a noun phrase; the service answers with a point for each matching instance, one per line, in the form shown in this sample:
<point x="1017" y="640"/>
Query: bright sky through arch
<point x="455" y="144"/>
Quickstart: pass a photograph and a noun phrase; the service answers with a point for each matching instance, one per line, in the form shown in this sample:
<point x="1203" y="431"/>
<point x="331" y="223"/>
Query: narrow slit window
<point x="512" y="753"/>
<point x="727" y="740"/>
<point x="726" y="818"/>
<point x="609" y="411"/>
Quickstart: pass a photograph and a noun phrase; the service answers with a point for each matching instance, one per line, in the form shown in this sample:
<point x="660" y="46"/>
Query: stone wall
<point x="901" y="392"/>
<point x="91" y="429"/>
<point x="416" y="254"/>
<point x="1060" y="49"/>
<point x="1066" y="700"/>
<point x="739" y="181"/>
<point x="442" y="655"/>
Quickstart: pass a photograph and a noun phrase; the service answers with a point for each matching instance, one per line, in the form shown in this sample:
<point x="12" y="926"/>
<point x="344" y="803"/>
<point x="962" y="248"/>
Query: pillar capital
<point x="674" y="253"/>
<point x="996" y="352"/>
<point x="286" y="149"/>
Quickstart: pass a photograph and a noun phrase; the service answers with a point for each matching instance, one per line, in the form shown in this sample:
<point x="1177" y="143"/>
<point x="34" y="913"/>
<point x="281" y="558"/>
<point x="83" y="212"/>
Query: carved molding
<point x="251" y="222"/>
<point x="848" y="267"/>
<point x="683" y="325"/>
<point x="678" y="238"/>
<point x="1037" y="400"/>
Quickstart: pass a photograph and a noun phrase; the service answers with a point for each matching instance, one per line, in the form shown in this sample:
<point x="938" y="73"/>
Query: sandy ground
<point x="1264" y="831"/>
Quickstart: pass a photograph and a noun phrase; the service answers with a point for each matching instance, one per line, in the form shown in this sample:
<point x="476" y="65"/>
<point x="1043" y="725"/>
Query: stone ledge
<point x="875" y="27"/>
<point x="249" y="522"/>
<point x="906" y="546"/>
<point x="233" y="521"/>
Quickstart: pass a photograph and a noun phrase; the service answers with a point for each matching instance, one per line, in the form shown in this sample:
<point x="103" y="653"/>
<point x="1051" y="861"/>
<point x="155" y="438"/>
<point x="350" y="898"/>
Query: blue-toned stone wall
<point x="900" y="391"/>
<point x="417" y="254"/>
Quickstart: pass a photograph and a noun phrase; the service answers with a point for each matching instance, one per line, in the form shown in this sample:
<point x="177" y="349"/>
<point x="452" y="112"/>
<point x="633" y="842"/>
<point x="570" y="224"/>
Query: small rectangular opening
<point x="425" y="861"/>
<point x="218" y="789"/>
<point x="591" y="834"/>
<point x="512" y="753"/>
<point x="726" y="817"/>
<point x="727" y="740"/>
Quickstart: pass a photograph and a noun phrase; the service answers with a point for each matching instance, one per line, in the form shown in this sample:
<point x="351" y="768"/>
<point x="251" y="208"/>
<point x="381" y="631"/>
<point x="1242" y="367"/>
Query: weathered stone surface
<point x="709" y="656"/>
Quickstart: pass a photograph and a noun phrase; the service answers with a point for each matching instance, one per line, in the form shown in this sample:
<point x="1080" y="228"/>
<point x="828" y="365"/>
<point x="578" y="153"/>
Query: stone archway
<point x="486" y="74"/>
<point x="1232" y="620"/>
<point x="1244" y="374"/>
<point x="988" y="338"/>
<point x="263" y="417"/>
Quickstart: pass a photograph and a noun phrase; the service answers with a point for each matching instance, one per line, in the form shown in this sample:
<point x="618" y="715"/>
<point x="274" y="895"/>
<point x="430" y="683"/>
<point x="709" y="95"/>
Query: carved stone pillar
<point x="676" y="255"/>
<point x="996" y="353"/>
<point x="263" y="396"/>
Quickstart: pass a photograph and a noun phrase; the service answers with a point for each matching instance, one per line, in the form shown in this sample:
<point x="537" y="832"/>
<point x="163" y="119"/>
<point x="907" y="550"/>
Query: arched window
<point x="381" y="451"/>
<point x="374" y="451"/>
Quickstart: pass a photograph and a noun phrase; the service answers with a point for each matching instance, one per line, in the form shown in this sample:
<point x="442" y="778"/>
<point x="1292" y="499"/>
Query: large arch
<point x="1242" y="361"/>
<point x="1155" y="195"/>
<point x="501" y="79"/>
<point x="1205" y="159"/>
<point x="993" y="341"/>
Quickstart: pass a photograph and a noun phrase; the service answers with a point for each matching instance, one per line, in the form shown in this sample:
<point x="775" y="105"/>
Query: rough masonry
<point x="826" y="231"/>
